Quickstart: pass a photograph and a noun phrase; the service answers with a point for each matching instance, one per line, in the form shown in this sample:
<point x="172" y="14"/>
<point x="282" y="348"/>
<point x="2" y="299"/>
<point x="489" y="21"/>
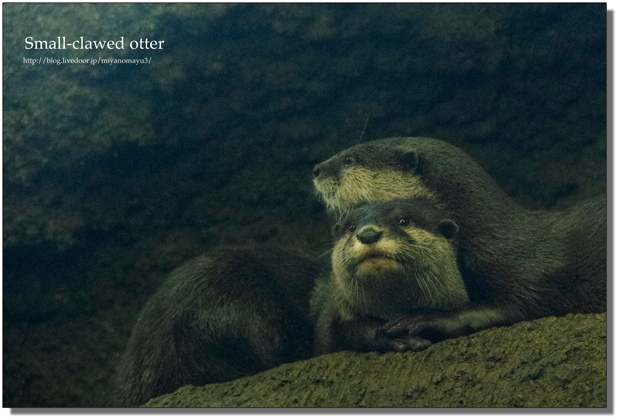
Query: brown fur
<point x="231" y="313"/>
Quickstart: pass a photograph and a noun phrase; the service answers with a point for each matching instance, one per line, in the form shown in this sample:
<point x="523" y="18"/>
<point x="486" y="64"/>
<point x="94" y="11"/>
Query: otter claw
<point x="403" y="344"/>
<point x="416" y="343"/>
<point x="399" y="326"/>
<point x="398" y="346"/>
<point x="395" y="330"/>
<point x="396" y="335"/>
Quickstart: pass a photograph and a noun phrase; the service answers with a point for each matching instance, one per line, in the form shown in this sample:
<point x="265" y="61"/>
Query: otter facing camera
<point x="448" y="228"/>
<point x="391" y="262"/>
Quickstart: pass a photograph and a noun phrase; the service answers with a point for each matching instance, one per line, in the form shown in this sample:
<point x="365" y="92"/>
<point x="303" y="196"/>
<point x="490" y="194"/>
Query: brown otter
<point x="230" y="313"/>
<point x="518" y="264"/>
<point x="390" y="259"/>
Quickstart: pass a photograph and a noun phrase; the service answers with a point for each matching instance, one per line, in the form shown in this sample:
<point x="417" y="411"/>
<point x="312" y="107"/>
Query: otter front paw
<point x="402" y="343"/>
<point x="426" y="329"/>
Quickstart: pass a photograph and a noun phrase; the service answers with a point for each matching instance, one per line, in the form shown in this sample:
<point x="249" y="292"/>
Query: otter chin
<point x="375" y="263"/>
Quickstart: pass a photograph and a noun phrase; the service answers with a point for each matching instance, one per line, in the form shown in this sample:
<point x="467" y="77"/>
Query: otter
<point x="233" y="312"/>
<point x="518" y="264"/>
<point x="390" y="259"/>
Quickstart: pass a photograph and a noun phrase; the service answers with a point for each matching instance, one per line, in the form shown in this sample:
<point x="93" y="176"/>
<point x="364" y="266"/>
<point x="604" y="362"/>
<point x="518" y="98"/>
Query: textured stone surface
<point x="551" y="362"/>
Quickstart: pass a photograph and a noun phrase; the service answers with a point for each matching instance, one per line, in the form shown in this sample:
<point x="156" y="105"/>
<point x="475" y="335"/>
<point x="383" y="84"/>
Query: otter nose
<point x="369" y="236"/>
<point x="317" y="170"/>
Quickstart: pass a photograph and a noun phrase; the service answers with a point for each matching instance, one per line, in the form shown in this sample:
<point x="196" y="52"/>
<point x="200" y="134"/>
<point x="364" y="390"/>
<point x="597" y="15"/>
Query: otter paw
<point x="421" y="327"/>
<point x="402" y="344"/>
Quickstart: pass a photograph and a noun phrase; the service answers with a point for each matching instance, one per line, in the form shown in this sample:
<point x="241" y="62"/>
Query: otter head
<point x="366" y="173"/>
<point x="397" y="257"/>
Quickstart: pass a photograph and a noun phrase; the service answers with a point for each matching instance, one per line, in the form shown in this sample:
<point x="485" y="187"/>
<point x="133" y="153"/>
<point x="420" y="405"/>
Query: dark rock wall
<point x="114" y="174"/>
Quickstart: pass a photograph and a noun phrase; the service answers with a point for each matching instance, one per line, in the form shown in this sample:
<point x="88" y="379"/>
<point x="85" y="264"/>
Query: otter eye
<point x="404" y="222"/>
<point x="349" y="160"/>
<point x="352" y="227"/>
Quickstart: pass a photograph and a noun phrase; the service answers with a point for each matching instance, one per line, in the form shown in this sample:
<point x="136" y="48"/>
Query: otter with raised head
<point x="233" y="312"/>
<point x="518" y="264"/>
<point x="390" y="259"/>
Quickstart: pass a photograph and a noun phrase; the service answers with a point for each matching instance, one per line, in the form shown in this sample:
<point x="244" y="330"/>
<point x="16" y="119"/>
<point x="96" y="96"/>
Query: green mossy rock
<point x="550" y="362"/>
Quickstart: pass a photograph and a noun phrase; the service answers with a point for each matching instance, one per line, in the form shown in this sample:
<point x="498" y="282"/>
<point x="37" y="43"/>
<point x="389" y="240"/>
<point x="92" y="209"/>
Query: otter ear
<point x="410" y="160"/>
<point x="448" y="228"/>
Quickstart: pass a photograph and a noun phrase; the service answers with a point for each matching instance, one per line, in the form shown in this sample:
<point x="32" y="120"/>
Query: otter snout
<point x="369" y="235"/>
<point x="317" y="170"/>
<point x="327" y="169"/>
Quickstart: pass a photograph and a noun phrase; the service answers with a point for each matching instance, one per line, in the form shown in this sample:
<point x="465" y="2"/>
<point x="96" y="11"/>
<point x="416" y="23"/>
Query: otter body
<point x="518" y="264"/>
<point x="390" y="259"/>
<point x="231" y="313"/>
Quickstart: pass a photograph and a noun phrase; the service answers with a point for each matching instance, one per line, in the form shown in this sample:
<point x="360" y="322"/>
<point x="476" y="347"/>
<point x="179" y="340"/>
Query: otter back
<point x="230" y="313"/>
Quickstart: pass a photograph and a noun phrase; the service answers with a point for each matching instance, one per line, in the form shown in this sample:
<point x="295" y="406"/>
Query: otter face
<point x="368" y="173"/>
<point x="397" y="257"/>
